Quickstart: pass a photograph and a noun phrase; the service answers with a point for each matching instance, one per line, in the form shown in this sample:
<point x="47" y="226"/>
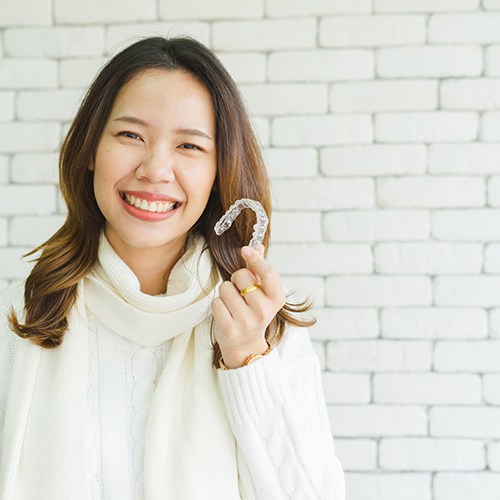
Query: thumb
<point x="252" y="256"/>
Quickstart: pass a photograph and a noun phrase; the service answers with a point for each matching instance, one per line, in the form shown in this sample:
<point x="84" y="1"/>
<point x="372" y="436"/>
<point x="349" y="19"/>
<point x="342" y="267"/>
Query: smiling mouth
<point x="152" y="206"/>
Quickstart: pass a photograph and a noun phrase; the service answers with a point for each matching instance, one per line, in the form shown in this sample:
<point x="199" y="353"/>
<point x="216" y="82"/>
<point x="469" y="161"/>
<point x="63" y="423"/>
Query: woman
<point x="145" y="356"/>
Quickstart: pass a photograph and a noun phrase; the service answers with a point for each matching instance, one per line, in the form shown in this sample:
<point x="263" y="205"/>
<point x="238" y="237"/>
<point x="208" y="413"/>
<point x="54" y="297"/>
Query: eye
<point x="130" y="135"/>
<point x="188" y="145"/>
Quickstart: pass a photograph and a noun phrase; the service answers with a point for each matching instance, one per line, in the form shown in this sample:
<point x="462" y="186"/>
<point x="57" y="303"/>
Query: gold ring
<point x="249" y="289"/>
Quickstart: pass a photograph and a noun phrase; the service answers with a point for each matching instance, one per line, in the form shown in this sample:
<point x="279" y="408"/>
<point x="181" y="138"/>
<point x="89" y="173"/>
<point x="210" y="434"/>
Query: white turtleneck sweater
<point x="289" y="447"/>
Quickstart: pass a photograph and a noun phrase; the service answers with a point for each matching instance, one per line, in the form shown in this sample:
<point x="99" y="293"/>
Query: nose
<point x="157" y="167"/>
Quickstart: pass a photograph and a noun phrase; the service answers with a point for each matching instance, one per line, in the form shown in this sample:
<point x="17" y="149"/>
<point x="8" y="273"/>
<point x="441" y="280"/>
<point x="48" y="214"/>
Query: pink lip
<point x="144" y="214"/>
<point x="149" y="197"/>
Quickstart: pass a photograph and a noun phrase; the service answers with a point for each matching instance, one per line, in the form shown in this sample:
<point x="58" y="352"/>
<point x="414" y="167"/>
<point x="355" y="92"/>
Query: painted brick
<point x="322" y="194"/>
<point x="380" y="291"/>
<point x="483" y="485"/>
<point x="431" y="192"/>
<point x="427" y="389"/>
<point x="7" y="100"/>
<point x="108" y="11"/>
<point x="284" y="99"/>
<point x="36" y="200"/>
<point x="317" y="7"/>
<point x="378" y="356"/>
<point x="373" y="160"/>
<point x="300" y="288"/>
<point x="32" y="231"/>
<point x="3" y="232"/>
<point x="494" y="191"/>
<point x="389" y="486"/>
<point x="378" y="420"/>
<point x="21" y="137"/>
<point x="440" y="126"/>
<point x="54" y="42"/>
<point x="491" y="4"/>
<point x="119" y="36"/>
<point x="321" y="65"/>
<point x="492" y="56"/>
<point x="34" y="168"/>
<point x="268" y="34"/>
<point x="371" y="31"/>
<point x="438" y="323"/>
<point x="262" y="129"/>
<point x="27" y="74"/>
<point x="216" y="9"/>
<point x="376" y="225"/>
<point x="468" y="291"/>
<point x="27" y="13"/>
<point x="424" y="5"/>
<point x="245" y="67"/>
<point x="490" y="127"/>
<point x="11" y="264"/>
<point x="473" y="27"/>
<point x="466" y="225"/>
<point x="428" y="258"/>
<point x="48" y="104"/>
<point x="491" y="389"/>
<point x="4" y="169"/>
<point x="494" y="456"/>
<point x="356" y="454"/>
<point x="326" y="130"/>
<point x="421" y="454"/>
<point x="467" y="356"/>
<point x="78" y="73"/>
<point x="495" y="323"/>
<point x="346" y="388"/>
<point x="350" y="324"/>
<point x="474" y="158"/>
<point x="321" y="258"/>
<point x="469" y="422"/>
<point x="296" y="227"/>
<point x="470" y="94"/>
<point x="380" y="95"/>
<point x="286" y="163"/>
<point x="429" y="61"/>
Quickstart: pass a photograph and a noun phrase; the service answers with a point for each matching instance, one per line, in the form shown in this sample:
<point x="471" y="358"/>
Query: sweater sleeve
<point x="7" y="350"/>
<point x="277" y="411"/>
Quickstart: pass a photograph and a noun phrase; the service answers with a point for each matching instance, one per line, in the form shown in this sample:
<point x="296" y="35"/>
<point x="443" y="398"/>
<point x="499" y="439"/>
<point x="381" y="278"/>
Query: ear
<point x="91" y="166"/>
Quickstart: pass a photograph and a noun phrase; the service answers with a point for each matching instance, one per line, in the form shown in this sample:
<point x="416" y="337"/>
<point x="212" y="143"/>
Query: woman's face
<point x="155" y="162"/>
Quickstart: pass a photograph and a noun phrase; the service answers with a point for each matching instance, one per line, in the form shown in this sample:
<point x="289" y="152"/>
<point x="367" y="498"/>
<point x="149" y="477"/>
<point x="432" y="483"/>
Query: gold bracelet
<point x="250" y="359"/>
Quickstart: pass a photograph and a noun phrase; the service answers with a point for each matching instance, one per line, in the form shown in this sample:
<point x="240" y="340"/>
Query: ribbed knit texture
<point x="274" y="407"/>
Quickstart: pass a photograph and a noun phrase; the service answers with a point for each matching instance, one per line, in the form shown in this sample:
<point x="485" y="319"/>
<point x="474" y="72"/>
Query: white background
<point x="380" y="121"/>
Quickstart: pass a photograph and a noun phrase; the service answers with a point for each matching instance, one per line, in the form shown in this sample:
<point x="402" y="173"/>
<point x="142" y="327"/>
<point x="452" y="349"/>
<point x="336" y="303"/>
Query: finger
<point x="222" y="316"/>
<point x="269" y="278"/>
<point x="232" y="299"/>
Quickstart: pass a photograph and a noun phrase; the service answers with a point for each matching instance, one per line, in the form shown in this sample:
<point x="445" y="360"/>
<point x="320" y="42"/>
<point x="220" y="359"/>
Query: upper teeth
<point x="160" y="206"/>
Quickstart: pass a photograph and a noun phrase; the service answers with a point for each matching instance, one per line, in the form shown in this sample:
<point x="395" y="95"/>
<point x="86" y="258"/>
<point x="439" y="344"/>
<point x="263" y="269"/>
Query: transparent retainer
<point x="259" y="229"/>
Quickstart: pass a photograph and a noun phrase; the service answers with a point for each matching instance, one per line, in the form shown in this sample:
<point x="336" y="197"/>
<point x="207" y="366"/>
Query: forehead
<point x="158" y="91"/>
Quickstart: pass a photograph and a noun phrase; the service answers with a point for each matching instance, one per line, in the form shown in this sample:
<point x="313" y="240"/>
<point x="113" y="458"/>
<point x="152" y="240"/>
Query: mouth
<point x="150" y="206"/>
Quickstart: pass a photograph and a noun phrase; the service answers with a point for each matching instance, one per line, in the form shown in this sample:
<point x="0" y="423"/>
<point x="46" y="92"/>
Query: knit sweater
<point x="287" y="446"/>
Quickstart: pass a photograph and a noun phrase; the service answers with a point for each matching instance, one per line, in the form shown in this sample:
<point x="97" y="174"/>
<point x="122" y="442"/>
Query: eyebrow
<point x="187" y="131"/>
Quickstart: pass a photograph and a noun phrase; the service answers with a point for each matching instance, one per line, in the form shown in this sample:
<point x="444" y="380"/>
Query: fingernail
<point x="246" y="251"/>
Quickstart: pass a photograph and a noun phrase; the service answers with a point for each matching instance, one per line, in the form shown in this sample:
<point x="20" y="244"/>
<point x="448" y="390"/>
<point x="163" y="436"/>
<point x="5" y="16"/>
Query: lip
<point x="144" y="214"/>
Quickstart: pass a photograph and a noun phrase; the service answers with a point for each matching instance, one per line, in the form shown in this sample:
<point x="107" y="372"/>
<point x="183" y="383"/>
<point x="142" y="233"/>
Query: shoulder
<point x="11" y="297"/>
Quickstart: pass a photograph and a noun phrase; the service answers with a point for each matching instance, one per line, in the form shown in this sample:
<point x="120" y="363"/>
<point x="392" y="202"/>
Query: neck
<point x="152" y="266"/>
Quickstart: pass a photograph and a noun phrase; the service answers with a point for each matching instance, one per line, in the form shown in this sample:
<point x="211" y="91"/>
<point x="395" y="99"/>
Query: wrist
<point x="232" y="359"/>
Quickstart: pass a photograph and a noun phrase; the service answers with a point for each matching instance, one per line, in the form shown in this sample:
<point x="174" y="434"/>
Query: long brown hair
<point x="69" y="255"/>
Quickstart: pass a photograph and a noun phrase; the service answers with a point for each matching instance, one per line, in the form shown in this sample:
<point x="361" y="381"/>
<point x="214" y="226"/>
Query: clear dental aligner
<point x="259" y="229"/>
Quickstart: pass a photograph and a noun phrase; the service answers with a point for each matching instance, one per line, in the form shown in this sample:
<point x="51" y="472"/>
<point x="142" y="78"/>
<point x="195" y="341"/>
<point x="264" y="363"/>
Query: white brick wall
<point x="380" y="121"/>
